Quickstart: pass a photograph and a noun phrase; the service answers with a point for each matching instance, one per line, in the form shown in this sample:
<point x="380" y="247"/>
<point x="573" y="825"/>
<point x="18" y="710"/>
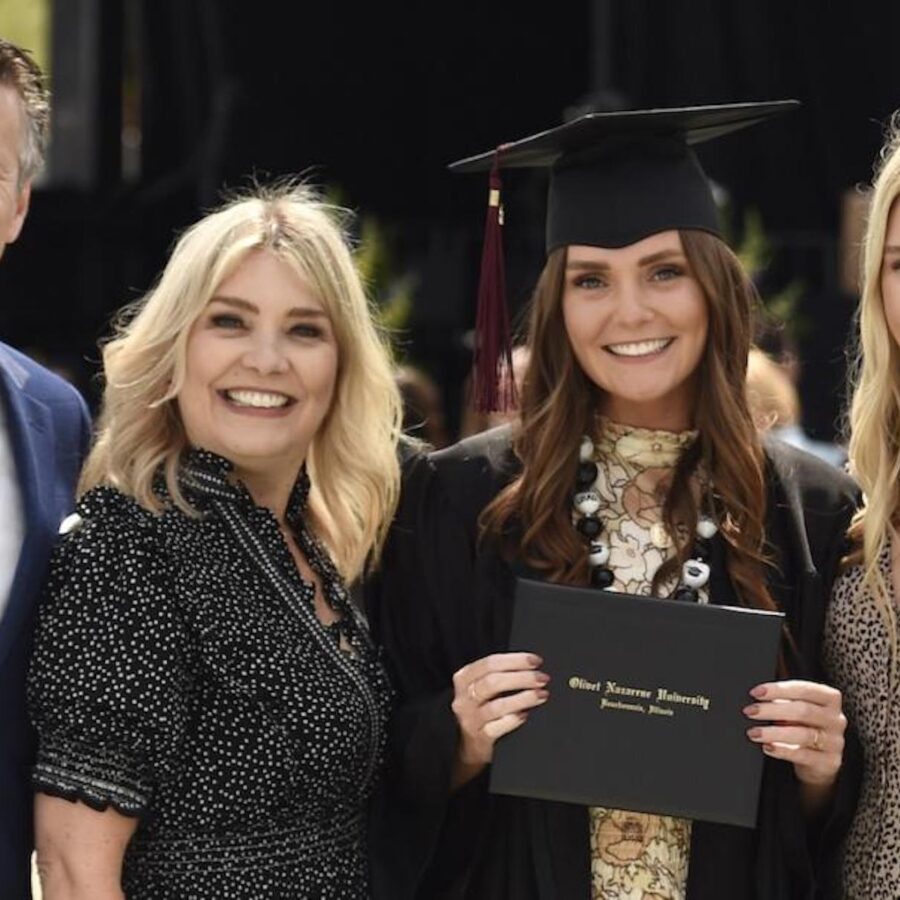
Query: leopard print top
<point x="856" y="652"/>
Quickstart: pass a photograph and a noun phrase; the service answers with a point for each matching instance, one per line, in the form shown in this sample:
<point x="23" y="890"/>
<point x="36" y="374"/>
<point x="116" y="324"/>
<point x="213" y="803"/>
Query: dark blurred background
<point x="161" y="104"/>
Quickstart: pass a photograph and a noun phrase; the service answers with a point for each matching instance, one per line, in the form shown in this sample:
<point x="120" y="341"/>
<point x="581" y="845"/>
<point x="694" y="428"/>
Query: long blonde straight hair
<point x="352" y="459"/>
<point x="875" y="405"/>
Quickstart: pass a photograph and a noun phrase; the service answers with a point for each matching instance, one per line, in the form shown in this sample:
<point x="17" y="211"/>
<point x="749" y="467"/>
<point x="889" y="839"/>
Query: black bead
<point x="587" y="474"/>
<point x="589" y="526"/>
<point x="702" y="550"/>
<point x="686" y="594"/>
<point x="601" y="577"/>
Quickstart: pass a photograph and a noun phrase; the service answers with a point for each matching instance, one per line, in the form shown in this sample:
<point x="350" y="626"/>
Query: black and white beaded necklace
<point x="586" y="503"/>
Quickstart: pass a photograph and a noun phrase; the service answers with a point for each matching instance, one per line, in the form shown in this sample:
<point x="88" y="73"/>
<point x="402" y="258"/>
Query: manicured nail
<point x="543" y="695"/>
<point x="751" y="710"/>
<point x="542" y="678"/>
<point x="522" y="716"/>
<point x="534" y="660"/>
<point x="754" y="733"/>
<point x="759" y="691"/>
<point x="769" y="748"/>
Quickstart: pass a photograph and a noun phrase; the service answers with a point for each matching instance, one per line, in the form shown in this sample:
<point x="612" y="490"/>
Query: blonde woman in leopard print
<point x="861" y="627"/>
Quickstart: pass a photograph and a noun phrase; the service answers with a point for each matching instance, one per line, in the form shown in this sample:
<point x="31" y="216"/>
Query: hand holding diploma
<point x="807" y="730"/>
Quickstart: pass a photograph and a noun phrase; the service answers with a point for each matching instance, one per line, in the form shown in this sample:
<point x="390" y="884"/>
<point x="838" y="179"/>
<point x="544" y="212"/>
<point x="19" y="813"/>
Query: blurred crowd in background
<point x="160" y="108"/>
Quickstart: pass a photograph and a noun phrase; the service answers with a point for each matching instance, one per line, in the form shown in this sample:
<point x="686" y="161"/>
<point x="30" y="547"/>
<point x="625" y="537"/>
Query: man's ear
<point x="18" y="219"/>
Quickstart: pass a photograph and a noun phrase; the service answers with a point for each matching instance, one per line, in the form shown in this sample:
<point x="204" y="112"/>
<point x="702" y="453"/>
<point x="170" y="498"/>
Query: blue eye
<point x="307" y="331"/>
<point x="589" y="282"/>
<point x="667" y="273"/>
<point x="226" y="320"/>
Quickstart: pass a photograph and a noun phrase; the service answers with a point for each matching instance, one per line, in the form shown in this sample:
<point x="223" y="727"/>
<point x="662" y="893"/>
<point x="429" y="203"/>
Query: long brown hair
<point x="557" y="408"/>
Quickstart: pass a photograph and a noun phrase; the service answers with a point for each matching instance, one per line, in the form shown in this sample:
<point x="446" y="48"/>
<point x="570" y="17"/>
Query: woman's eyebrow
<point x="600" y="265"/>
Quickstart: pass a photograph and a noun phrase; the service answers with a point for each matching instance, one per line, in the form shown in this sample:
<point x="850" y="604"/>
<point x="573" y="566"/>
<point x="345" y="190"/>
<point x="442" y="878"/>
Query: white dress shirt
<point x="12" y="516"/>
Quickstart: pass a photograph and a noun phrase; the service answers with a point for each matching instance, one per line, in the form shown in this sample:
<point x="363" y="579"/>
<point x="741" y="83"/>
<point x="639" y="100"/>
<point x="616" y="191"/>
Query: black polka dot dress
<point x="181" y="676"/>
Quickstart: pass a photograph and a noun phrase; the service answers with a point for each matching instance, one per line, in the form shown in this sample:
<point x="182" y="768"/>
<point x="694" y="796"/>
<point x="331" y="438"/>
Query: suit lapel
<point x="28" y="423"/>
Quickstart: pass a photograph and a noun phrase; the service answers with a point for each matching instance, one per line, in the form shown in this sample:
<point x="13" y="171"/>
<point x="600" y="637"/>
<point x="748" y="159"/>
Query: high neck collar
<point x="641" y="447"/>
<point x="205" y="476"/>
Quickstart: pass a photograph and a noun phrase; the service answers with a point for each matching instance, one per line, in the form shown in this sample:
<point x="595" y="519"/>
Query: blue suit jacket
<point x="49" y="431"/>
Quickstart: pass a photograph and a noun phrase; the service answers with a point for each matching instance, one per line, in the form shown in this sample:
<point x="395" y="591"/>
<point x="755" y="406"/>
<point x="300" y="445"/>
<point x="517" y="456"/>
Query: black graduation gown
<point x="439" y="602"/>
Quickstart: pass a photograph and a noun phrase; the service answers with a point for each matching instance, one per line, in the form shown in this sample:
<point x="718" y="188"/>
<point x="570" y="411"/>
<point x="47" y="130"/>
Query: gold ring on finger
<point x="817" y="739"/>
<point x="473" y="693"/>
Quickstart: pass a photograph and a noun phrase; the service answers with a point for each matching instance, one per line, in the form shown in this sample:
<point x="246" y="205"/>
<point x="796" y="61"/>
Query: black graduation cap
<point x="618" y="177"/>
<point x="615" y="178"/>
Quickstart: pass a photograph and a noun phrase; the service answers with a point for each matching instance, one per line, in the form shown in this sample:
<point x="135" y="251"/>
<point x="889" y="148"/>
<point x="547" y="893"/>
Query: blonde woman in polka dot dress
<point x="210" y="709"/>
<point x="861" y="629"/>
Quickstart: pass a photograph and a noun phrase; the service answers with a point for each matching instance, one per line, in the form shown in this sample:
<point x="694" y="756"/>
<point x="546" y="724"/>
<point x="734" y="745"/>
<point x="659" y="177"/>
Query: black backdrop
<point x="376" y="98"/>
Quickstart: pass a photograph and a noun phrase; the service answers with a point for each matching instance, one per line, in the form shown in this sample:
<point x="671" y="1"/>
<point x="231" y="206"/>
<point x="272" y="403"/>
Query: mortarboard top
<point x="618" y="177"/>
<point x="615" y="178"/>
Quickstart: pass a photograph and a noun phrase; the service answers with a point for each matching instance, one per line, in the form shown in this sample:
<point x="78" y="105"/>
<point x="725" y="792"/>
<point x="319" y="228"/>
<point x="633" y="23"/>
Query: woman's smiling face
<point x="260" y="368"/>
<point x="637" y="321"/>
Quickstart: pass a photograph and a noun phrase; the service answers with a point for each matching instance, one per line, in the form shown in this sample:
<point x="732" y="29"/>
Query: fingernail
<point x="751" y="710"/>
<point x="543" y="695"/>
<point x="768" y="748"/>
<point x="542" y="678"/>
<point x="534" y="660"/>
<point x="522" y="716"/>
<point x="759" y="691"/>
<point x="754" y="733"/>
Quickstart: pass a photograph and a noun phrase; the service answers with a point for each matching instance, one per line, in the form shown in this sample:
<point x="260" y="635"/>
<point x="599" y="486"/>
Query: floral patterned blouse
<point x="637" y="856"/>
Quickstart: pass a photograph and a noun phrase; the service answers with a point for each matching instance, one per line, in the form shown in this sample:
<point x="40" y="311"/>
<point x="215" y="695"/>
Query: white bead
<point x="695" y="573"/>
<point x="586" y="450"/>
<point x="659" y="536"/>
<point x="587" y="502"/>
<point x="599" y="555"/>
<point x="70" y="523"/>
<point x="706" y="527"/>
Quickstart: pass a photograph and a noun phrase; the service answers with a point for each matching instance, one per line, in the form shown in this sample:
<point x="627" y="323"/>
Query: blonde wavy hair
<point x="874" y="420"/>
<point x="352" y="459"/>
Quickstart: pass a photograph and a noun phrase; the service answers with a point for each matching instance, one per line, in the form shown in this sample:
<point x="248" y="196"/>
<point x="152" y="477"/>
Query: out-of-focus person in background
<point x="44" y="433"/>
<point x="210" y="709"/>
<point x="423" y="406"/>
<point x="861" y="643"/>
<point x="474" y="421"/>
<point x="775" y="407"/>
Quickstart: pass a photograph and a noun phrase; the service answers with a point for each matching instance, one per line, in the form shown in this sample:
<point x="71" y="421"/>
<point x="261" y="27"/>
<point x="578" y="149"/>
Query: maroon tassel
<point x="493" y="385"/>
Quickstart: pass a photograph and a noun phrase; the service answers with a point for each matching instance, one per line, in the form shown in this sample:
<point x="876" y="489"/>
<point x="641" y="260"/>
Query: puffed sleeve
<point x="108" y="680"/>
<point x="427" y="608"/>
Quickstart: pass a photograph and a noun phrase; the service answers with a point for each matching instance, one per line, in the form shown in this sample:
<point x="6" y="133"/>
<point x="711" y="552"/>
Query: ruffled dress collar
<point x="205" y="476"/>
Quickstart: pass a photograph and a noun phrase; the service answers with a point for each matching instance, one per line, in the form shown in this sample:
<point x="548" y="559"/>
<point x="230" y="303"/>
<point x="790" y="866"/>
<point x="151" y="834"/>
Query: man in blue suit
<point x="44" y="432"/>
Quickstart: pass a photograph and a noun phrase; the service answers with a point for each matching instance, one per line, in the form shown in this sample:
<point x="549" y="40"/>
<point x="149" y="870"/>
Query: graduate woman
<point x="634" y="400"/>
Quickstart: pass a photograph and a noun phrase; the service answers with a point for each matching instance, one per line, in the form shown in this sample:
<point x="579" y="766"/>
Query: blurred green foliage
<point x="391" y="292"/>
<point x="27" y="23"/>
<point x="755" y="253"/>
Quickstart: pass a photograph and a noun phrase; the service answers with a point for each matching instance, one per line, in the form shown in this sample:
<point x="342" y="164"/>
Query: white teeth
<point x="639" y="348"/>
<point x="257" y="399"/>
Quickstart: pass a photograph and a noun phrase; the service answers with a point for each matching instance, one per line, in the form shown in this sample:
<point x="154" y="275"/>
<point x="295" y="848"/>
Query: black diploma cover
<point x="645" y="703"/>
